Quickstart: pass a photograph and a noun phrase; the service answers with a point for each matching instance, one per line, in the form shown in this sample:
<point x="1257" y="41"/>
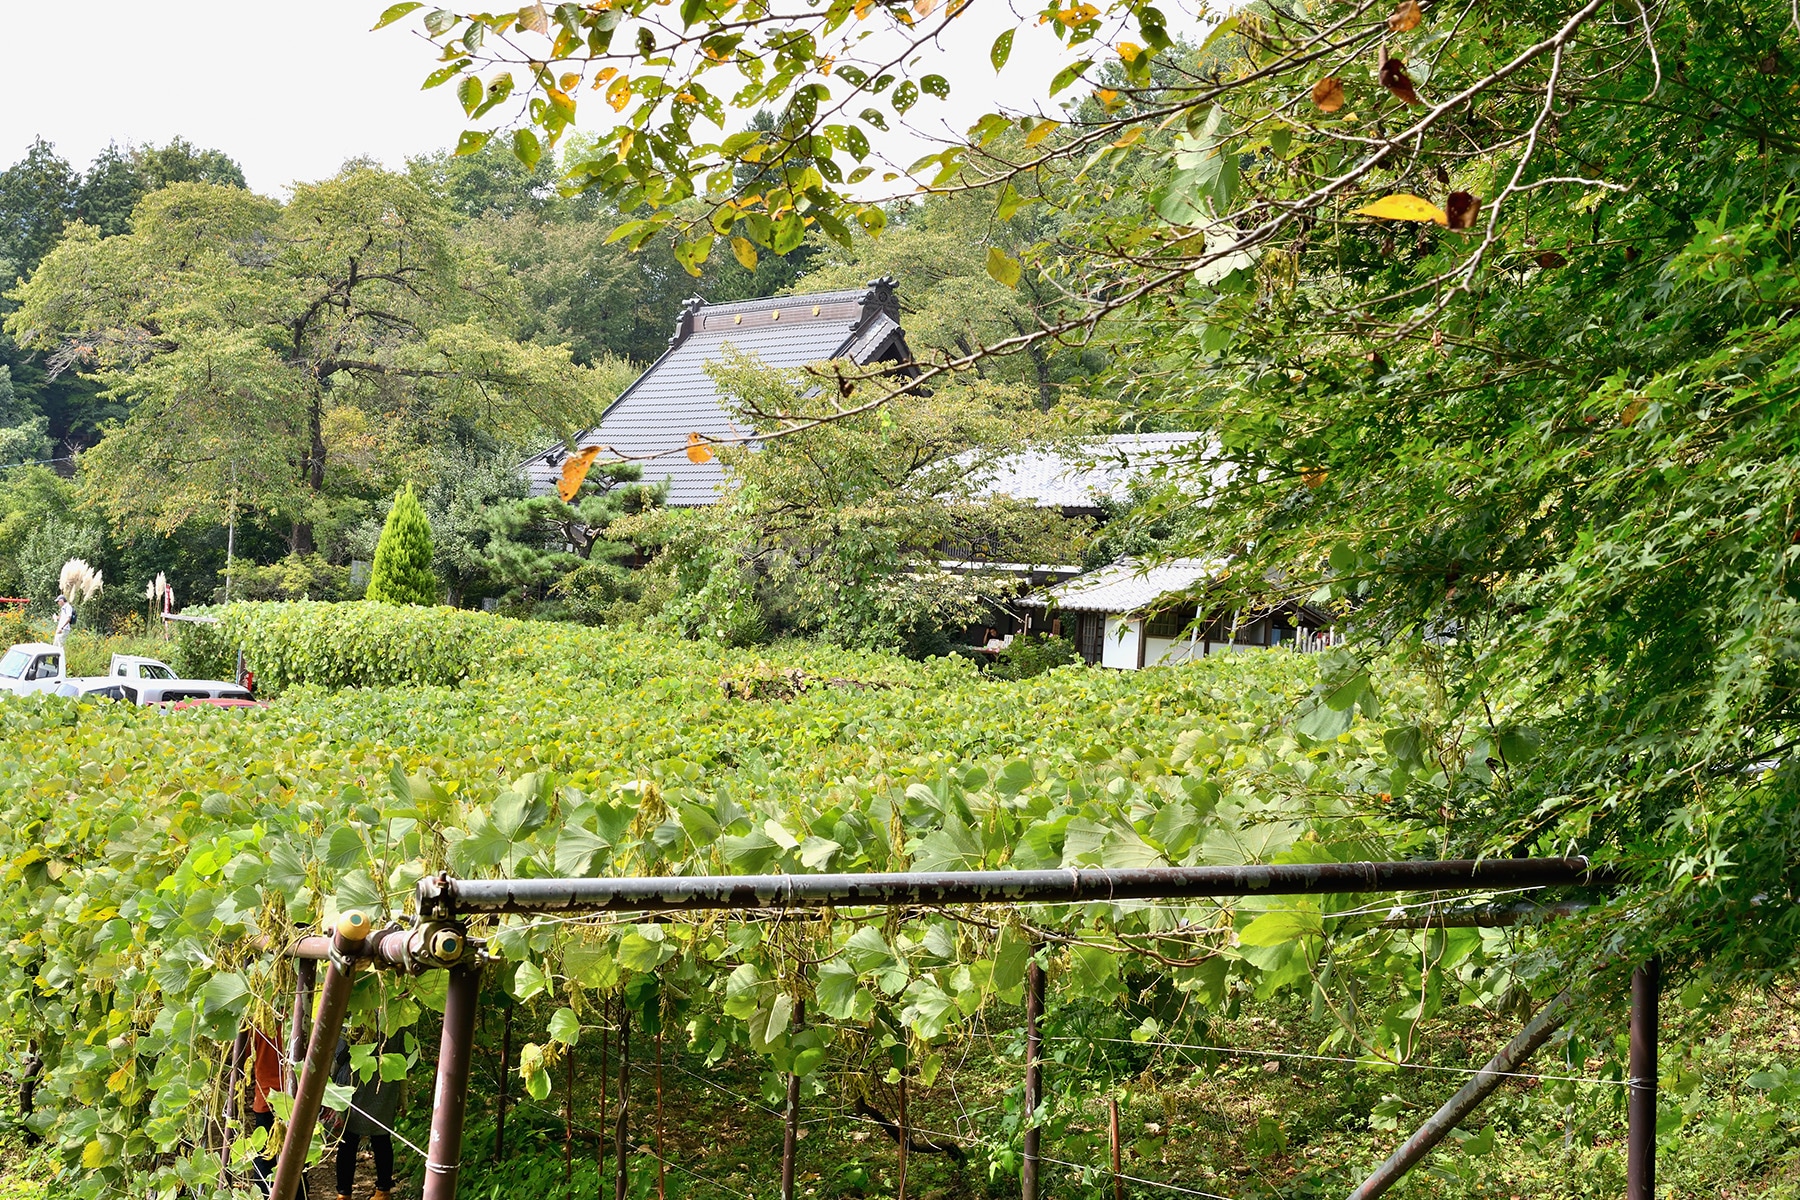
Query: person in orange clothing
<point x="265" y="1058"/>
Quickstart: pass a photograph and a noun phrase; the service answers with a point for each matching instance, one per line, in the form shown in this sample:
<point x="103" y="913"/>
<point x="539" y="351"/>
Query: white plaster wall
<point x="1119" y="646"/>
<point x="1166" y="652"/>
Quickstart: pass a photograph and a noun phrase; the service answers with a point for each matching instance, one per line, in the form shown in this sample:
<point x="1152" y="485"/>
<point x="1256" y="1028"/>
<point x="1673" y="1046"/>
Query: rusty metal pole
<point x="505" y="1082"/>
<point x="1112" y="1130"/>
<point x="1034" y="1073"/>
<point x="1640" y="1097"/>
<point x="790" y="1133"/>
<point x="306" y="978"/>
<point x="321" y="1050"/>
<point x="569" y="1121"/>
<point x="905" y="1138"/>
<point x="622" y="1131"/>
<point x="606" y="1008"/>
<point x="1482" y="1084"/>
<point x="450" y="1100"/>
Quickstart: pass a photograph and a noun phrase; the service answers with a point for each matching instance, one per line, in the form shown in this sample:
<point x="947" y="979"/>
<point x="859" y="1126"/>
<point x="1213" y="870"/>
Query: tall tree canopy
<point x="279" y="356"/>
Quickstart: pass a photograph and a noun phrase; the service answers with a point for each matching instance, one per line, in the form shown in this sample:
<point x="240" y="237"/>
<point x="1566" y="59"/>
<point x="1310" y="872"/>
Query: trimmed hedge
<point x="351" y="644"/>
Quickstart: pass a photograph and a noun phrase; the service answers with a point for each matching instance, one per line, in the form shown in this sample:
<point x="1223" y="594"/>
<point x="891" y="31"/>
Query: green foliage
<point x="840" y="527"/>
<point x="540" y="539"/>
<point x="296" y="577"/>
<point x="188" y="847"/>
<point x="1031" y="655"/>
<point x="402" y="573"/>
<point x="356" y="644"/>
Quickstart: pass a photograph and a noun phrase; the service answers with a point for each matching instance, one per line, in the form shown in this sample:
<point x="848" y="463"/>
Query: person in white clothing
<point x="65" y="617"/>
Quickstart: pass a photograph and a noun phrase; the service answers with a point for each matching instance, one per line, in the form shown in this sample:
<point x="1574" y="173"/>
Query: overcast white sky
<point x="291" y="90"/>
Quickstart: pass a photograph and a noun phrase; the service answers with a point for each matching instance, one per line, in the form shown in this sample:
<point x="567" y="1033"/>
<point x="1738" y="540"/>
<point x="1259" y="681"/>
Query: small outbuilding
<point x="1131" y="615"/>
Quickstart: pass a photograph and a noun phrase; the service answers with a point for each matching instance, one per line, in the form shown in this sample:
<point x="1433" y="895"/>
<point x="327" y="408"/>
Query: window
<point x="48" y="667"/>
<point x="1090" y="635"/>
<point x="154" y="671"/>
<point x="13" y="665"/>
<point x="1170" y="624"/>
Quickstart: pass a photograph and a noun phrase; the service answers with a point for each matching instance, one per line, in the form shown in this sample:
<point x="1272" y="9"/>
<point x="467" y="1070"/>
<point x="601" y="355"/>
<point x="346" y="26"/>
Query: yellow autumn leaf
<point x="697" y="449"/>
<point x="1402" y="207"/>
<point x="569" y="81"/>
<point x="619" y="94"/>
<point x="605" y="74"/>
<point x="1040" y="131"/>
<point x="1130" y="135"/>
<point x="575" y="472"/>
<point x="745" y="253"/>
<point x="1077" y="14"/>
<point x="1129" y="51"/>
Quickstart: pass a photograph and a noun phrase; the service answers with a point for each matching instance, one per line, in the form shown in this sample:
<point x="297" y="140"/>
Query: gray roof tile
<point x="676" y="397"/>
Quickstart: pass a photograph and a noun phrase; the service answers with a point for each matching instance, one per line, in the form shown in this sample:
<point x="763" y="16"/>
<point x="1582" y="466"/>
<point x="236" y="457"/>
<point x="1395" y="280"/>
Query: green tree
<point x="402" y="571"/>
<point x="183" y="162"/>
<point x="289" y="358"/>
<point x="110" y="189"/>
<point x="841" y="526"/>
<point x="37" y="198"/>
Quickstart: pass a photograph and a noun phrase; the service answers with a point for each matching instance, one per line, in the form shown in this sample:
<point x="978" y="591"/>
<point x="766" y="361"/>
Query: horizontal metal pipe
<point x="444" y="896"/>
<point x="383" y="946"/>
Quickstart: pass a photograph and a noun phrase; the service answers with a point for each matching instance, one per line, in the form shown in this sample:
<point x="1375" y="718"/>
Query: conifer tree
<point x="402" y="572"/>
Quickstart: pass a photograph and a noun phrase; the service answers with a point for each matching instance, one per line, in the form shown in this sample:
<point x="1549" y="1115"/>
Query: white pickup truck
<point x="35" y="667"/>
<point x="31" y="667"/>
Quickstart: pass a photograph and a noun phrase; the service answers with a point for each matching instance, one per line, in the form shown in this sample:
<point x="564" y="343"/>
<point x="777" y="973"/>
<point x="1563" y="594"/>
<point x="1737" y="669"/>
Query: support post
<point x="28" y="1081"/>
<point x="606" y="1007"/>
<point x="505" y="1081"/>
<point x="1034" y="1073"/>
<point x="321" y="1051"/>
<point x="622" y="1129"/>
<point x="1640" y="1097"/>
<point x="569" y="1120"/>
<point x="450" y="1100"/>
<point x="1537" y="1031"/>
<point x="1112" y="1131"/>
<point x="306" y="978"/>
<point x="790" y="1133"/>
<point x="661" y="1161"/>
<point x="905" y="1133"/>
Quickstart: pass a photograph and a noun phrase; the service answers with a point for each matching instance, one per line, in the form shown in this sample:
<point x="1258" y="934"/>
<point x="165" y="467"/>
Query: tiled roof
<point x="676" y="397"/>
<point x="1084" y="474"/>
<point x="1127" y="586"/>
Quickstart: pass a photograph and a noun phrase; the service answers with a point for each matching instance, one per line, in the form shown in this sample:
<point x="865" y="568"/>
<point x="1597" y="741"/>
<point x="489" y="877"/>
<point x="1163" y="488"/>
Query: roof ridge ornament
<point x="685" y="322"/>
<point x="879" y="298"/>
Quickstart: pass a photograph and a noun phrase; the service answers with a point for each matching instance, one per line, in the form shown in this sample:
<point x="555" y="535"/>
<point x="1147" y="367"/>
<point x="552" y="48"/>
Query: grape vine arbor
<point x="438" y="939"/>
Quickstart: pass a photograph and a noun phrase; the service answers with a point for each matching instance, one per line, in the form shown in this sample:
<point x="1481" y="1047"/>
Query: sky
<point x="292" y="90"/>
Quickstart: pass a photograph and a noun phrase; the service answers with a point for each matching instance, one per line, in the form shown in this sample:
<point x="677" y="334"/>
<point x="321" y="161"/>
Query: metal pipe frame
<point x="456" y="1052"/>
<point x="321" y="1049"/>
<point x="444" y="897"/>
<point x="438" y="942"/>
<point x="1640" y="1096"/>
<point x="1480" y="1086"/>
<point x="1034" y="1074"/>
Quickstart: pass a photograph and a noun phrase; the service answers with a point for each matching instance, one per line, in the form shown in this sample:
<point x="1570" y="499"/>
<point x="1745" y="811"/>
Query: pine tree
<point x="402" y="572"/>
